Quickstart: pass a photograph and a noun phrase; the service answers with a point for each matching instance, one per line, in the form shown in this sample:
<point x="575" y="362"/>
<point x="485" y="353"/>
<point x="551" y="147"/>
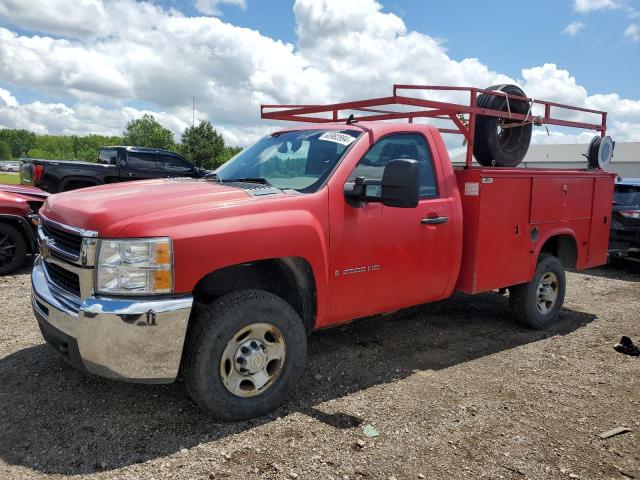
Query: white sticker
<point x="487" y="180"/>
<point x="471" y="189"/>
<point x="337" y="137"/>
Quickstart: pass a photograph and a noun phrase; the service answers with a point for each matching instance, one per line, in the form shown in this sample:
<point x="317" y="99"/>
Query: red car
<point x="223" y="278"/>
<point x="19" y="207"/>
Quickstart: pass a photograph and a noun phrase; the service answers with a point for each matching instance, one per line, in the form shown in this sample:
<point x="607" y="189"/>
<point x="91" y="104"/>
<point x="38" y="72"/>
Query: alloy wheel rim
<point x="253" y="359"/>
<point x="547" y="292"/>
<point x="7" y="250"/>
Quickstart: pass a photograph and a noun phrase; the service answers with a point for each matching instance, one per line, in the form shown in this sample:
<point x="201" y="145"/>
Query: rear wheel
<point x="537" y="304"/>
<point x="13" y="249"/>
<point x="243" y="354"/>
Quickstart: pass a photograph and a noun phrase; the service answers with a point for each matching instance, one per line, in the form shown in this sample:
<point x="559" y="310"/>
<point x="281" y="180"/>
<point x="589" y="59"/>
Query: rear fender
<point x="90" y="181"/>
<point x="556" y="232"/>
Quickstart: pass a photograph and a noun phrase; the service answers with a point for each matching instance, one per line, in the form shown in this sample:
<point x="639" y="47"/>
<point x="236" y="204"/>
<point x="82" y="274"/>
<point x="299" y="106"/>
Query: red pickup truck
<point x="19" y="206"/>
<point x="222" y="279"/>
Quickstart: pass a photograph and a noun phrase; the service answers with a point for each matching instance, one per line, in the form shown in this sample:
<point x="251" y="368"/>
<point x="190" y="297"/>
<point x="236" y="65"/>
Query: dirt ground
<point x="455" y="389"/>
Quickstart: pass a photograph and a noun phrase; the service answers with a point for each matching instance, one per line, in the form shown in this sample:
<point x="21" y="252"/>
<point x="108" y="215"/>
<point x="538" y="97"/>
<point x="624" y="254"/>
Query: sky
<point x="90" y="66"/>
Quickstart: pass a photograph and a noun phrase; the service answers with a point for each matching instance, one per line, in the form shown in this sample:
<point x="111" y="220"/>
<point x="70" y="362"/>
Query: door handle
<point x="433" y="220"/>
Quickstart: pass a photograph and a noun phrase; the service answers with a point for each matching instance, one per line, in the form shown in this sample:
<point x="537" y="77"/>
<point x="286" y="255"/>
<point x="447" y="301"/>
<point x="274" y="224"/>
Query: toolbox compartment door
<point x="503" y="235"/>
<point x="558" y="199"/>
<point x="600" y="222"/>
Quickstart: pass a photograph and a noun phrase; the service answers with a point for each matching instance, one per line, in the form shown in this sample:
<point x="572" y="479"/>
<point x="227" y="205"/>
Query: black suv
<point x="624" y="240"/>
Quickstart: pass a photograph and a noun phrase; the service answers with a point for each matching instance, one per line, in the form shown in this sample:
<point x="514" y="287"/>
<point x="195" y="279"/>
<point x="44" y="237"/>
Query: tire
<point x="13" y="249"/>
<point x="221" y="326"/>
<point x="524" y="299"/>
<point x="509" y="147"/>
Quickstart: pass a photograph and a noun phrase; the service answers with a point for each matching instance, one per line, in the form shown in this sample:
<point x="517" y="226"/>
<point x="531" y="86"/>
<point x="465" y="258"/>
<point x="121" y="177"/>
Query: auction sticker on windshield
<point x="337" y="137"/>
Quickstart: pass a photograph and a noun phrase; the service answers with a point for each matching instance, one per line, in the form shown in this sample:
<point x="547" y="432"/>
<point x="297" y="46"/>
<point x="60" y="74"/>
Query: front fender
<point x="205" y="242"/>
<point x="262" y="236"/>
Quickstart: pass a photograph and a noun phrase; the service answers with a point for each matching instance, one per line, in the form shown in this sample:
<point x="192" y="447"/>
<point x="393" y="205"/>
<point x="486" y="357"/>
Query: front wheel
<point x="13" y="249"/>
<point x="537" y="304"/>
<point x="243" y="354"/>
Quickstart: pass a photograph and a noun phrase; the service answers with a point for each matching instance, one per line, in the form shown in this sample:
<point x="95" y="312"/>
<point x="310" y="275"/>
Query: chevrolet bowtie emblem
<point x="45" y="248"/>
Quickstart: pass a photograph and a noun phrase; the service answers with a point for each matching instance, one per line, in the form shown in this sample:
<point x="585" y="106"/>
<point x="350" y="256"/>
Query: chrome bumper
<point x="138" y="340"/>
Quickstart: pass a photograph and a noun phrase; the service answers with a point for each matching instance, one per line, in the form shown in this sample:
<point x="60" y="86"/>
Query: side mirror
<point x="401" y="184"/>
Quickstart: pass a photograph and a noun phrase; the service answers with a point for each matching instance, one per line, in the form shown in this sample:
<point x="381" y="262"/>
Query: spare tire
<point x="494" y="145"/>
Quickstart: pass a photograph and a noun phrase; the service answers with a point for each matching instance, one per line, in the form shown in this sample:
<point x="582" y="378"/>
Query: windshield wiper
<point x="262" y="180"/>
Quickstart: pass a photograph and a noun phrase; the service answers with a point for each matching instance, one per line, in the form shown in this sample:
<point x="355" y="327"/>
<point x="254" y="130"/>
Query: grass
<point x="11" y="178"/>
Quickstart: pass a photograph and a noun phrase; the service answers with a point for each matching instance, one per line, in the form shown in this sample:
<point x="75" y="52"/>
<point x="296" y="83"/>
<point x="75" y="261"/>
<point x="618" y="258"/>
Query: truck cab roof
<point x="130" y="148"/>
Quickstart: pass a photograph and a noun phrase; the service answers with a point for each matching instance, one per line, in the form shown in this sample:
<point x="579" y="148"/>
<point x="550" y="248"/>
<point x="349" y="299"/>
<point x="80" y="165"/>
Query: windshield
<point x="627" y="195"/>
<point x="299" y="160"/>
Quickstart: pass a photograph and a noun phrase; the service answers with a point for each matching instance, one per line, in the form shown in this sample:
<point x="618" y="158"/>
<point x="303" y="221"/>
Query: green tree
<point x="147" y="132"/>
<point x="42" y="154"/>
<point x="19" y="141"/>
<point x="203" y="145"/>
<point x="227" y="154"/>
<point x="5" y="151"/>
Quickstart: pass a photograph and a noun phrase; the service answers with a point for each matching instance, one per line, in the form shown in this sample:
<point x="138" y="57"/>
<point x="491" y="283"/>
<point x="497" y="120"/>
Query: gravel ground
<point x="455" y="389"/>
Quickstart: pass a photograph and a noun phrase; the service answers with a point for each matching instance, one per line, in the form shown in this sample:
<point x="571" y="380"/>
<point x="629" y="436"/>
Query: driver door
<point x="141" y="166"/>
<point x="385" y="258"/>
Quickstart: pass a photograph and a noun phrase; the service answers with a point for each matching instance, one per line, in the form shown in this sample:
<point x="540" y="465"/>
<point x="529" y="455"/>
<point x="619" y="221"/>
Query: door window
<point x="142" y="161"/>
<point x="108" y="156"/>
<point x="174" y="165"/>
<point x="405" y="145"/>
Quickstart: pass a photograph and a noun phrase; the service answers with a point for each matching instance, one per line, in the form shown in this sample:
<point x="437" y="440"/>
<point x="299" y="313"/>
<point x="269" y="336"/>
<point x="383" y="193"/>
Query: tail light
<point x="630" y="214"/>
<point x="38" y="172"/>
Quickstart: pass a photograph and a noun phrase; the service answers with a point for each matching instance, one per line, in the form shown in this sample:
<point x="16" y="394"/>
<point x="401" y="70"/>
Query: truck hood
<point x="108" y="209"/>
<point x="31" y="193"/>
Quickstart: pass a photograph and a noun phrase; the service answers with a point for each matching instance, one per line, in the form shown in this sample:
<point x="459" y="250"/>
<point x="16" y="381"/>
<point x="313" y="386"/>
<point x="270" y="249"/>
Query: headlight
<point x="135" y="267"/>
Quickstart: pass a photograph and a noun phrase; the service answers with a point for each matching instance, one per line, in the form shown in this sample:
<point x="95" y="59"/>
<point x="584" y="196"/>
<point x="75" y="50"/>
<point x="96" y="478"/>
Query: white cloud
<point x="140" y="54"/>
<point x="7" y="100"/>
<point x="633" y="32"/>
<point x="210" y="7"/>
<point x="79" y="18"/>
<point x="551" y="83"/>
<point x="80" y="119"/>
<point x="584" y="6"/>
<point x="573" y="28"/>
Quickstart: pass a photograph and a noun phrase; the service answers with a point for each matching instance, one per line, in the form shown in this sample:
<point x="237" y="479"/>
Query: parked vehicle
<point x="624" y="241"/>
<point x="223" y="278"/>
<point x="19" y="207"/>
<point x="10" y="166"/>
<point x="115" y="164"/>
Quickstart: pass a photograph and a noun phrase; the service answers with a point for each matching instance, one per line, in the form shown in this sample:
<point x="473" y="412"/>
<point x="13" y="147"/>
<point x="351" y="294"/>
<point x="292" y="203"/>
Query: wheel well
<point x="21" y="228"/>
<point x="564" y="248"/>
<point x="290" y="278"/>
<point x="75" y="183"/>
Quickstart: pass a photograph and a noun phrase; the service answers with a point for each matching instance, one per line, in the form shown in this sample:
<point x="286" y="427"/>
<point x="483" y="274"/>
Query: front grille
<point x="64" y="279"/>
<point x="65" y="241"/>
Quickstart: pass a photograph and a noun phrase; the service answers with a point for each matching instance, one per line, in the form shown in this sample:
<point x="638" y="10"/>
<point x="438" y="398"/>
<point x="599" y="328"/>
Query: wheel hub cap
<point x="253" y="359"/>
<point x="547" y="292"/>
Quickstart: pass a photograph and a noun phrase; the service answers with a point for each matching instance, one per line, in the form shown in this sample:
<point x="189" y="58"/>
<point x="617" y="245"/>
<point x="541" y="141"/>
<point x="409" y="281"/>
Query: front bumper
<point x="138" y="340"/>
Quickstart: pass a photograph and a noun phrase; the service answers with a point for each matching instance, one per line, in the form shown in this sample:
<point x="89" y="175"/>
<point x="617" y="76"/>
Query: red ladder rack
<point x="370" y="110"/>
